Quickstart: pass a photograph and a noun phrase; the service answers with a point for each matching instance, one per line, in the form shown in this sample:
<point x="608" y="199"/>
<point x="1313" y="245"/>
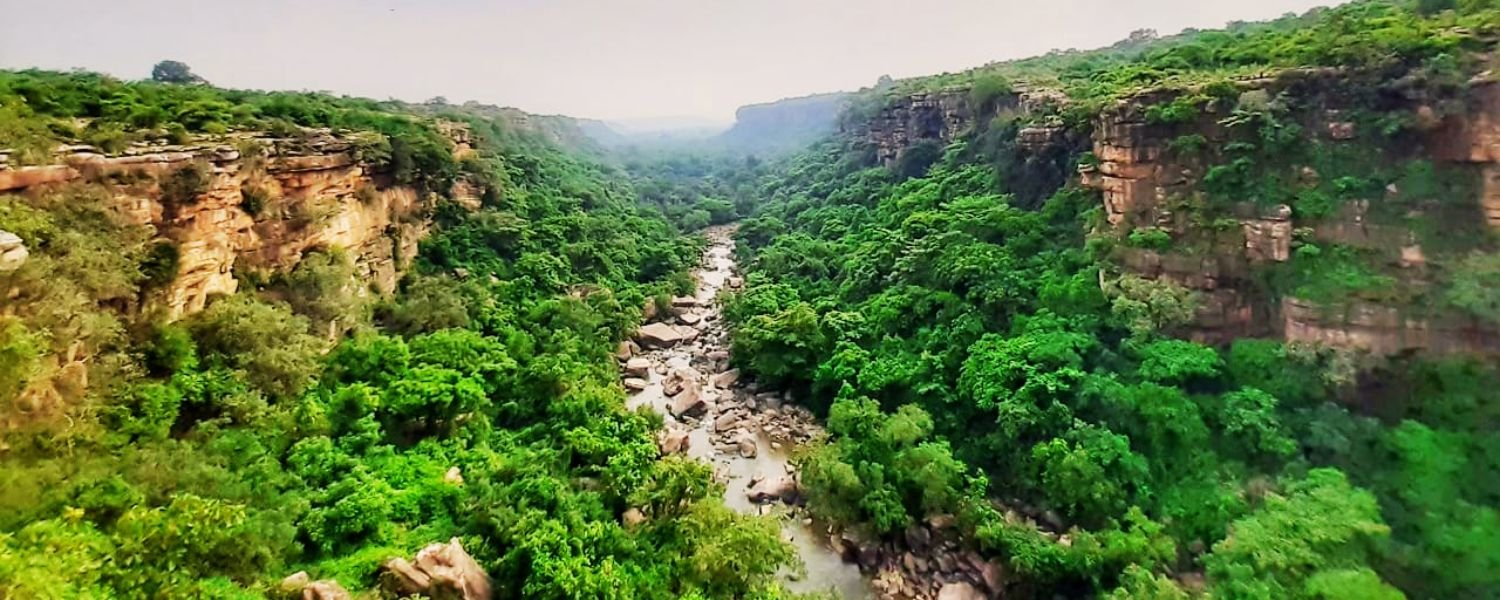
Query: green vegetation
<point x="212" y="456"/>
<point x="977" y="354"/>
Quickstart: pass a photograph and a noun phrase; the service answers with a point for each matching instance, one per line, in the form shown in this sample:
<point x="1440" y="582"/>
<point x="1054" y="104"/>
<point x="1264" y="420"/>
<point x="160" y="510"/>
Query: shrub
<point x="184" y="185"/>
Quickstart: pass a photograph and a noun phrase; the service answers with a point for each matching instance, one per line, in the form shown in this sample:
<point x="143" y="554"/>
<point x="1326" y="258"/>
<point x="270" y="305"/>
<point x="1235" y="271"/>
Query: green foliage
<point x="266" y="341"/>
<point x="1320" y="525"/>
<point x="1475" y="286"/>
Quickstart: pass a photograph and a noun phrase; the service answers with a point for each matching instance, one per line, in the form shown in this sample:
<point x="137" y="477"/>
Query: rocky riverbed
<point x="678" y="365"/>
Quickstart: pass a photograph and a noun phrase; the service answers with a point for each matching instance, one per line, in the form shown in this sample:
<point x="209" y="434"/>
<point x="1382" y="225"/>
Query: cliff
<point x="248" y="203"/>
<point x="784" y="124"/>
<point x="1313" y="205"/>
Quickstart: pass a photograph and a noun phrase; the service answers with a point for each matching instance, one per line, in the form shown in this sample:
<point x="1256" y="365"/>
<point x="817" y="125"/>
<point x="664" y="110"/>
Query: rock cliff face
<point x="1151" y="173"/>
<point x="1145" y="182"/>
<point x="906" y="121"/>
<point x="253" y="205"/>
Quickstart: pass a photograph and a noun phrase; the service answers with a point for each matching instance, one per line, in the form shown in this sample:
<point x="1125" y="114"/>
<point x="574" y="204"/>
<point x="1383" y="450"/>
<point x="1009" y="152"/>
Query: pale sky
<point x="620" y="59"/>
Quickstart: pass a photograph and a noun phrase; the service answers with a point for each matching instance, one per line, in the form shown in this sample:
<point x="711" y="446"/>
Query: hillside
<point x="1206" y="315"/>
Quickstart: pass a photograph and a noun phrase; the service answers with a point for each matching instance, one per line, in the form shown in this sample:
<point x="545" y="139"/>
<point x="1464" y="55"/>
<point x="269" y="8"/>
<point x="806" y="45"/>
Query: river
<point x="744" y="434"/>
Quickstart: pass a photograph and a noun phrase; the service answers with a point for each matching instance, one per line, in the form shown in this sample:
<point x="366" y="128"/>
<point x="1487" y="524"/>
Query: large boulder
<point x="674" y="441"/>
<point x="685" y="302"/>
<point x="689" y="402"/>
<point x="772" y="489"/>
<point x="960" y="590"/>
<point x="638" y="367"/>
<point x="300" y="585"/>
<point x="726" y="379"/>
<point x="636" y="384"/>
<point x="659" y="335"/>
<point x="439" y="571"/>
<point x="678" y="379"/>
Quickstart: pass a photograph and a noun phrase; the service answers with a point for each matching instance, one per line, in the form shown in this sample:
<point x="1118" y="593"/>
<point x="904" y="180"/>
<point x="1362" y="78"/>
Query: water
<point x="825" y="569"/>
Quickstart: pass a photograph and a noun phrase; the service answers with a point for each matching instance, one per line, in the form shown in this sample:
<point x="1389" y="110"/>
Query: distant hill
<point x="785" y="124"/>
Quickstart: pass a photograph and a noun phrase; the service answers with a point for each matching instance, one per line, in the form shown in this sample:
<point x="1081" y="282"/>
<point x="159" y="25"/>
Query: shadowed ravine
<point x="745" y="435"/>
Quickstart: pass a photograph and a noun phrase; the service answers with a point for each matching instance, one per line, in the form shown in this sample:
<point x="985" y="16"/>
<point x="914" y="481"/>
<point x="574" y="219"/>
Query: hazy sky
<point x="620" y="59"/>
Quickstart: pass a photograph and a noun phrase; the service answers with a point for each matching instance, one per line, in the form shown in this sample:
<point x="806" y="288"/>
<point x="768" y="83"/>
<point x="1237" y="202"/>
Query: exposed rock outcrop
<point x="250" y="203"/>
<point x="440" y="572"/>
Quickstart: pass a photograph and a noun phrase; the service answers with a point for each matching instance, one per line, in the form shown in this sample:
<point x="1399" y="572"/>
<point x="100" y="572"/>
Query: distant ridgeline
<point x="784" y="125"/>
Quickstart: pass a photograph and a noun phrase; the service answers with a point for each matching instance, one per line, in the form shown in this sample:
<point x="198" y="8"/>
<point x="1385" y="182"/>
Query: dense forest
<point x="960" y="317"/>
<point x="951" y="324"/>
<point x="212" y="456"/>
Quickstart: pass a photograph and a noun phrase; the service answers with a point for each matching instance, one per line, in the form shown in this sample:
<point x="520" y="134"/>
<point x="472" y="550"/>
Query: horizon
<point x="626" y="65"/>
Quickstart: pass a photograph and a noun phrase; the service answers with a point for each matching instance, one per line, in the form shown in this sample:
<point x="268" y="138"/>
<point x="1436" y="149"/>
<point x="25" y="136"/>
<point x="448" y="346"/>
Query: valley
<point x="1208" y="315"/>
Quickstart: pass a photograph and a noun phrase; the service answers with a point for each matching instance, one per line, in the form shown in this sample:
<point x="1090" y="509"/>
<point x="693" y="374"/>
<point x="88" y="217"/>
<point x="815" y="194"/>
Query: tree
<point x="1319" y="524"/>
<point x="171" y="71"/>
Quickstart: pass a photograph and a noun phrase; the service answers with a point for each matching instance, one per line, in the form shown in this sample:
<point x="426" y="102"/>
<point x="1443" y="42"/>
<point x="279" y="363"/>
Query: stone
<point x="636" y="384"/>
<point x="659" y="335"/>
<point x="690" y="318"/>
<point x="960" y="590"/>
<point x="13" y="252"/>
<point x="454" y="476"/>
<point x="675" y="441"/>
<point x="685" y="302"/>
<point x="918" y="537"/>
<point x="626" y="349"/>
<point x="993" y="576"/>
<point x="747" y="447"/>
<point x="633" y="517"/>
<point x="726" y="379"/>
<point x="772" y="489"/>
<point x="718" y="355"/>
<point x="325" y="589"/>
<point x="728" y="421"/>
<point x="638" y="367"/>
<point x="679" y="379"/>
<point x="689" y="403"/>
<point x="438" y="571"/>
<point x="293" y="584"/>
<point x="735" y="282"/>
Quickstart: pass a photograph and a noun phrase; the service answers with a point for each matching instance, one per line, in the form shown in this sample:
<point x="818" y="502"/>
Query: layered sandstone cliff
<point x="247" y="204"/>
<point x="1151" y="182"/>
<point x="1145" y="182"/>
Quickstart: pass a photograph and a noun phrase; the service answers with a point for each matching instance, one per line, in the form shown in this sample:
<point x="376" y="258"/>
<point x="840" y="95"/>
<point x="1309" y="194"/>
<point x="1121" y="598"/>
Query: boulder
<point x="690" y="318"/>
<point x="727" y="378"/>
<point x="735" y="282"/>
<point x="689" y="403"/>
<point x="438" y="571"/>
<point x="454" y="476"/>
<point x="772" y="489"/>
<point x="685" y="302"/>
<point x="636" y="384"/>
<point x="626" y="349"/>
<point x="659" y="335"/>
<point x="674" y="441"/>
<point x="747" y="447"/>
<point x="918" y="538"/>
<point x="638" y="367"/>
<point x="13" y="251"/>
<point x="728" y="421"/>
<point x="718" y="355"/>
<point x="961" y="590"/>
<point x="679" y="379"/>
<point x="994" y="577"/>
<point x="294" y="583"/>
<point x="633" y="517"/>
<point x="325" y="589"/>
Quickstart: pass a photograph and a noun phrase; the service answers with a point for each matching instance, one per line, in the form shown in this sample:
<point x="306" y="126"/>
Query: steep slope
<point x="203" y="396"/>
<point x="1198" y="316"/>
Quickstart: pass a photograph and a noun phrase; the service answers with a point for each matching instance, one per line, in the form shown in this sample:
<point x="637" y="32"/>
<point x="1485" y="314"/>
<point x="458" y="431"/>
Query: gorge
<point x="1209" y="315"/>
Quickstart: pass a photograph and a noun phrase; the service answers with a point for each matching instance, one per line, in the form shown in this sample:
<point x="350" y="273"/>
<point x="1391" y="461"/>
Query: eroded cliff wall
<point x="1312" y="205"/>
<point x="250" y="204"/>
